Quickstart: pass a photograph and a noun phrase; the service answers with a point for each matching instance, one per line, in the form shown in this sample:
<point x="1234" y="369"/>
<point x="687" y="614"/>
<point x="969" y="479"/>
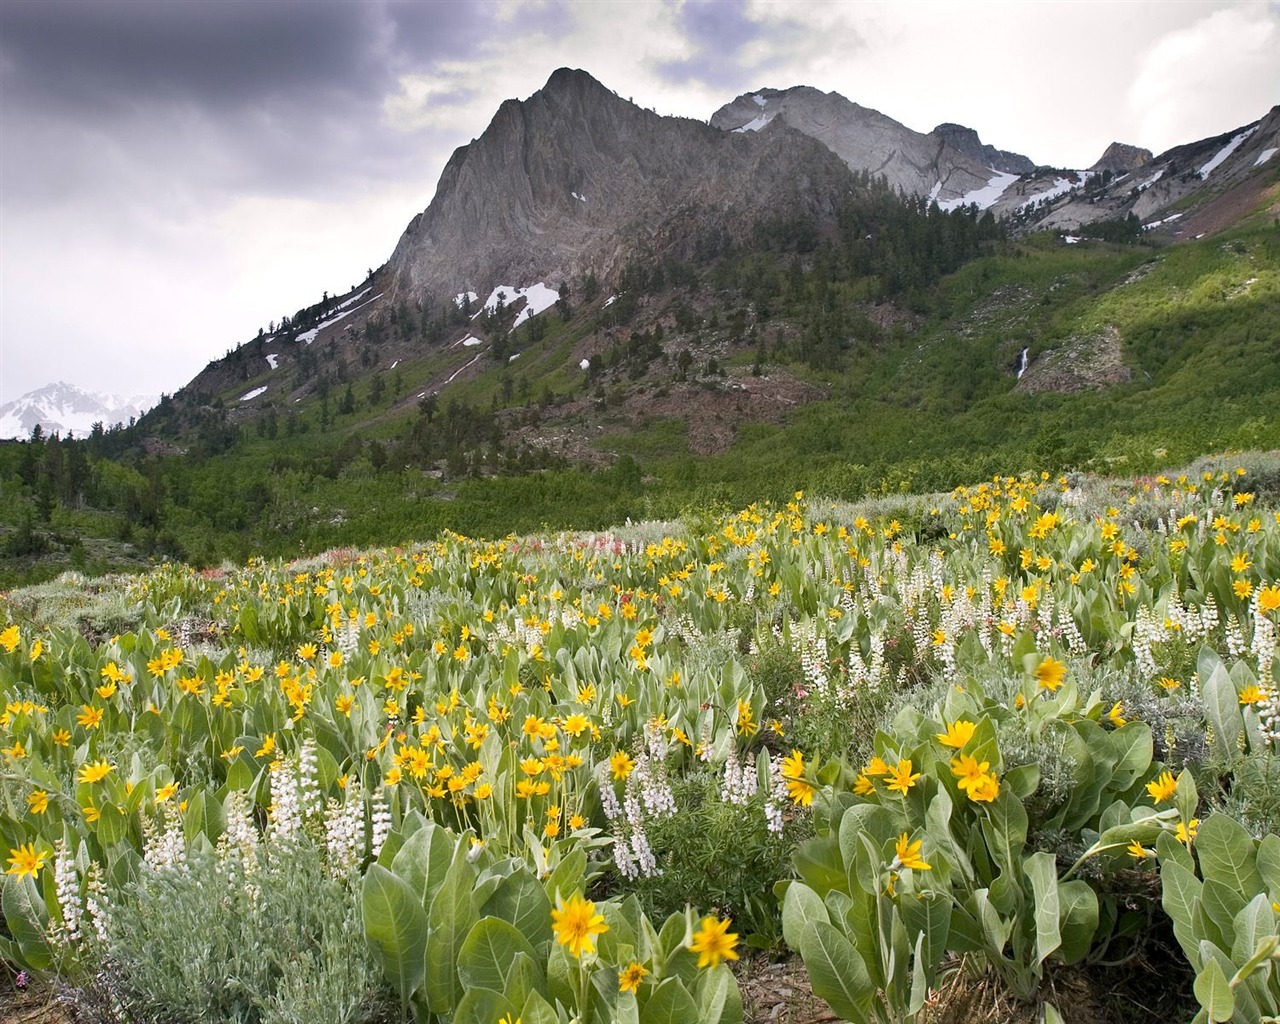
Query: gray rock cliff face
<point x="576" y="179"/>
<point x="1121" y="157"/>
<point x="864" y="139"/>
<point x="966" y="140"/>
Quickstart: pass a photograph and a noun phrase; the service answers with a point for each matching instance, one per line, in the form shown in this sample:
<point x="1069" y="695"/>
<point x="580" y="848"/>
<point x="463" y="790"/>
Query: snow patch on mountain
<point x="1225" y="152"/>
<point x="1265" y="155"/>
<point x="984" y="197"/>
<point x="538" y="299"/>
<point x="310" y="336"/>
<point x="1060" y="187"/>
<point x="68" y="410"/>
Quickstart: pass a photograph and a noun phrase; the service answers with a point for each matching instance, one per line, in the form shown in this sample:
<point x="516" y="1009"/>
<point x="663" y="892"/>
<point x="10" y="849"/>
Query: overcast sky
<point x="174" y="175"/>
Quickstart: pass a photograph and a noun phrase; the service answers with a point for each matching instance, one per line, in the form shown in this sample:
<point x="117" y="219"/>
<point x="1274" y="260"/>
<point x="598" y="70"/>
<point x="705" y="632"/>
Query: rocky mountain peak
<point x="1122" y="158"/>
<point x="966" y="140"/>
<point x="575" y="178"/>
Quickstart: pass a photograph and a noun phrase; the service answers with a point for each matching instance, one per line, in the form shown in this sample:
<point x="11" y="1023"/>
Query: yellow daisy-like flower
<point x="10" y="639"/>
<point x="629" y="980"/>
<point x="1050" y="674"/>
<point x="575" y="923"/>
<point x="1252" y="694"/>
<point x="621" y="764"/>
<point x="1163" y="787"/>
<point x="96" y="772"/>
<point x="907" y="855"/>
<point x="26" y="861"/>
<point x="958" y="733"/>
<point x="1185" y="833"/>
<point x="713" y="942"/>
<point x="901" y="778"/>
<point x="799" y="789"/>
<point x="1268" y="599"/>
<point x="38" y="801"/>
<point x="1139" y="852"/>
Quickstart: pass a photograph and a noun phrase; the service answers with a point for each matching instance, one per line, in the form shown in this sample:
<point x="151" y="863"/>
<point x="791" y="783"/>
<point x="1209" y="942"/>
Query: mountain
<point x="1122" y="158"/>
<point x="865" y="139"/>
<point x="967" y="142"/>
<point x="66" y="409"/>
<point x="575" y="180"/>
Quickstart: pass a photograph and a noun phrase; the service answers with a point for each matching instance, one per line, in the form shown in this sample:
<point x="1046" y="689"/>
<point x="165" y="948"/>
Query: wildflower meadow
<point x="988" y="735"/>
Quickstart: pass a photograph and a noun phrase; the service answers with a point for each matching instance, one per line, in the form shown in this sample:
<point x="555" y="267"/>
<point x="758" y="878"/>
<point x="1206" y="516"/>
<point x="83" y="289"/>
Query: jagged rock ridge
<point x="576" y="179"/>
<point x="1121" y="158"/>
<point x="863" y="138"/>
<point x="966" y="140"/>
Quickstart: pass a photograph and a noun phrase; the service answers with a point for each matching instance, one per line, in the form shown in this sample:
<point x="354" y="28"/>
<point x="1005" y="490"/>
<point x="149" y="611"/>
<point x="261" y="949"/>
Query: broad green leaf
<point x="488" y="953"/>
<point x="819" y="863"/>
<point x="1213" y="992"/>
<point x="537" y="1010"/>
<point x="1219" y="905"/>
<point x="1253" y="924"/>
<point x="1041" y="869"/>
<point x="522" y="901"/>
<point x="396" y="926"/>
<point x="1186" y="798"/>
<point x="928" y="917"/>
<point x="1078" y="919"/>
<point x="27" y="919"/>
<point x="1005" y="829"/>
<point x="1226" y="855"/>
<point x="1134" y="749"/>
<point x="452" y="915"/>
<point x="1222" y="707"/>
<point x="800" y="906"/>
<point x="836" y="971"/>
<point x="423" y="859"/>
<point x="669" y="1003"/>
<point x="483" y="1006"/>
<point x="718" y="998"/>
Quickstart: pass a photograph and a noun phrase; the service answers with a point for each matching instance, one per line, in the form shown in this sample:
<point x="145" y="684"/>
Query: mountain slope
<point x="574" y="179"/>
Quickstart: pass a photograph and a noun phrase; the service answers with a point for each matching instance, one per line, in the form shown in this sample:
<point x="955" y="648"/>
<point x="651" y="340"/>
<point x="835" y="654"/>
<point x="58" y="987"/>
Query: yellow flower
<point x="985" y="789"/>
<point x="61" y="737"/>
<point x="713" y="942"/>
<point x="1186" y="833"/>
<point x="1050" y="673"/>
<point x="908" y="855"/>
<point x="958" y="733"/>
<point x="876" y="766"/>
<point x="1163" y="787"/>
<point x="10" y="639"/>
<point x="1241" y="563"/>
<point x="799" y="789"/>
<point x="91" y="813"/>
<point x="38" y="801"/>
<point x="1252" y="694"/>
<point x="746" y="720"/>
<point x="1269" y="599"/>
<point x="1139" y="852"/>
<point x="1169" y="684"/>
<point x="165" y="793"/>
<point x="1242" y="588"/>
<point x="863" y="785"/>
<point x="621" y="764"/>
<point x="344" y="703"/>
<point x="1116" y="714"/>
<point x="90" y="773"/>
<point x="629" y="980"/>
<point x="575" y="922"/>
<point x="25" y="861"/>
<point x="90" y="717"/>
<point x="901" y="777"/>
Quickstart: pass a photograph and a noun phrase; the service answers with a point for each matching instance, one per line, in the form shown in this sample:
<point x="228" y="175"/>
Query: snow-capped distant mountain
<point x="69" y="410"/>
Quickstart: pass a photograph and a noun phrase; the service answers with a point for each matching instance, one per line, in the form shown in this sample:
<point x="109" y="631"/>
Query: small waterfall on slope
<point x="1022" y="363"/>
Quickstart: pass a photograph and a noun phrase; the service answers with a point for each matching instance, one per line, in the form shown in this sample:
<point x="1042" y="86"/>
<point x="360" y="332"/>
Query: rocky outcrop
<point x="966" y="140"/>
<point x="1122" y="158"/>
<point x="1082" y="363"/>
<point x="575" y="178"/>
<point x="865" y="139"/>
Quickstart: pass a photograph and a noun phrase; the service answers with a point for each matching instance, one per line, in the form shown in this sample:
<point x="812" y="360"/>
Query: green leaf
<point x="396" y="926"/>
<point x="1134" y="748"/>
<point x="423" y="860"/>
<point x="537" y="1010"/>
<point x="669" y="1003"/>
<point x="521" y="901"/>
<point x="27" y="919"/>
<point x="1023" y="780"/>
<point x="1254" y="923"/>
<point x="1219" y="905"/>
<point x="488" y="953"/>
<point x="1213" y="992"/>
<point x="1226" y="855"/>
<point x="1077" y="920"/>
<point x="928" y="916"/>
<point x="1186" y="798"/>
<point x="452" y="915"/>
<point x="819" y="863"/>
<point x="1041" y="869"/>
<point x="800" y="906"/>
<point x="1005" y="829"/>
<point x="1222" y="707"/>
<point x="718" y="998"/>
<point x="836" y="971"/>
<point x="483" y="1006"/>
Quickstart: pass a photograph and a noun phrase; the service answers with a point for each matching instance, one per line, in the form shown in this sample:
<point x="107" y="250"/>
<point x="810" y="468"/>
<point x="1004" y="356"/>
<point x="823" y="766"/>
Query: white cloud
<point x="1188" y="76"/>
